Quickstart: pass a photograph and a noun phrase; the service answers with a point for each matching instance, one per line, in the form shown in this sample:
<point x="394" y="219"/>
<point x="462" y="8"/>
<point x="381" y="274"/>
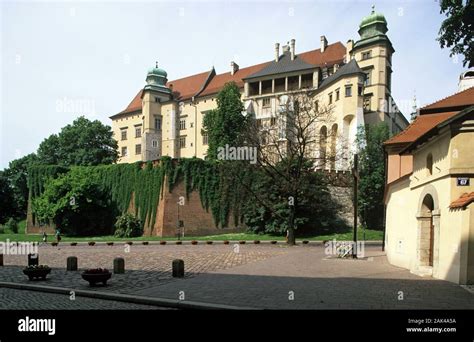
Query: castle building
<point x="165" y="118"/>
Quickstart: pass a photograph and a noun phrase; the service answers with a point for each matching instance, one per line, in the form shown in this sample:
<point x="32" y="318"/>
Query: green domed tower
<point x="156" y="80"/>
<point x="373" y="53"/>
<point x="372" y="29"/>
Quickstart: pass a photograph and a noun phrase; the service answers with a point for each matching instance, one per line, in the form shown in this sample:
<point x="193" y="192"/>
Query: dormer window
<point x="366" y="55"/>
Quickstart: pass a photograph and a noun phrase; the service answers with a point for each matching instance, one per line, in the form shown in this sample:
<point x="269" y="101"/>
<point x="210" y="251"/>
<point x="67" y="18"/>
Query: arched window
<point x="333" y="146"/>
<point x="323" y="134"/>
<point x="429" y="164"/>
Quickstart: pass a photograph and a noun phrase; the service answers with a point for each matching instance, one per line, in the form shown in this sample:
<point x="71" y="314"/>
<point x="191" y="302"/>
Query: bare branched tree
<point x="289" y="140"/>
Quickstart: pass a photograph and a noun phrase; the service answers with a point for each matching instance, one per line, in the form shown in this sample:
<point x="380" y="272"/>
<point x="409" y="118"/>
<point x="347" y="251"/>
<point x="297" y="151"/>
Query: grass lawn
<point x="369" y="235"/>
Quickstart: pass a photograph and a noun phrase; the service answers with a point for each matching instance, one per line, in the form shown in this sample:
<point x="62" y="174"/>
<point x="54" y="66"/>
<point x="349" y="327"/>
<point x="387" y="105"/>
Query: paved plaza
<point x="258" y="276"/>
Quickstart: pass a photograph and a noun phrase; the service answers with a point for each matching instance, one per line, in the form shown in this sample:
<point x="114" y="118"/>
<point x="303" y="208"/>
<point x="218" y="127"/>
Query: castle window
<point x="366" y="55"/>
<point x="349" y="91"/>
<point x="266" y="102"/>
<point x="123" y="134"/>
<point x="366" y="103"/>
<point x="154" y="143"/>
<point x="205" y="139"/>
<point x="124" y="151"/>
<point x="138" y="148"/>
<point x="330" y="98"/>
<point x="158" y="123"/>
<point x="367" y="78"/>
<point x="337" y="94"/>
<point x="182" y="142"/>
<point x="138" y="132"/>
<point x="182" y="125"/>
<point x="429" y="164"/>
<point x="273" y="121"/>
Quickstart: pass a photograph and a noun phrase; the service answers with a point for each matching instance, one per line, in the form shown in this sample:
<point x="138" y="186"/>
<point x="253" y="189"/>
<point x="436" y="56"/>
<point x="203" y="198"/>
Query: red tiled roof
<point x="462" y="201"/>
<point x="187" y="87"/>
<point x="463" y="98"/>
<point x="135" y="105"/>
<point x="333" y="53"/>
<point x="218" y="81"/>
<point x="422" y="125"/>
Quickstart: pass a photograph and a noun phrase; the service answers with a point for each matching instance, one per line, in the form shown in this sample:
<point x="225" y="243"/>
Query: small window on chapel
<point x="429" y="164"/>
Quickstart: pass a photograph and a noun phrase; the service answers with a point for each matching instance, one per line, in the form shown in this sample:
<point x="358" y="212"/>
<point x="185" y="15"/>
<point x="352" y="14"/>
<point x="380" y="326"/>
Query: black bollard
<point x="178" y="268"/>
<point x="71" y="263"/>
<point x="33" y="259"/>
<point x="119" y="265"/>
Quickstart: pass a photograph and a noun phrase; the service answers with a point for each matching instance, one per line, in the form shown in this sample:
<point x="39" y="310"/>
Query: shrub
<point x="242" y="242"/>
<point x="2" y="230"/>
<point x="179" y="242"/>
<point x="256" y="242"/>
<point x="54" y="243"/>
<point x="209" y="242"/>
<point x="305" y="242"/>
<point x="273" y="242"/>
<point x="73" y="243"/>
<point x="145" y="243"/>
<point x="110" y="243"/>
<point x="12" y="225"/>
<point x="91" y="243"/>
<point x="194" y="242"/>
<point x="128" y="225"/>
<point x="129" y="243"/>
<point x="162" y="242"/>
<point x="226" y="242"/>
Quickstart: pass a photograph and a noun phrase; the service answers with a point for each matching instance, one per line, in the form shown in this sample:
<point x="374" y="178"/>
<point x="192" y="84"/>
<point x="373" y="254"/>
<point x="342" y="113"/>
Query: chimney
<point x="349" y="47"/>
<point x="234" y="67"/>
<point x="324" y="43"/>
<point x="336" y="67"/>
<point x="277" y="52"/>
<point x="292" y="46"/>
<point x="286" y="48"/>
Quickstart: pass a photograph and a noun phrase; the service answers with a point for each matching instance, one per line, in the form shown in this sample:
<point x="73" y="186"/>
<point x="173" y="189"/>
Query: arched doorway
<point x="428" y="231"/>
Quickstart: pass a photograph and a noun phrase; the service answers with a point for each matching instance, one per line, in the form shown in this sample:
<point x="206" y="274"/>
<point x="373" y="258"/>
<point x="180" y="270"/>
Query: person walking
<point x="58" y="235"/>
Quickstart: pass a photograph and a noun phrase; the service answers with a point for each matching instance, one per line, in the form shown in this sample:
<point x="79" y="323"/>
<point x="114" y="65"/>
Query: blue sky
<point x="63" y="59"/>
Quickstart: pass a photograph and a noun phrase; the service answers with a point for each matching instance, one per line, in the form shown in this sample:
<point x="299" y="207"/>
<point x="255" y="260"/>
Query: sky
<point x="63" y="59"/>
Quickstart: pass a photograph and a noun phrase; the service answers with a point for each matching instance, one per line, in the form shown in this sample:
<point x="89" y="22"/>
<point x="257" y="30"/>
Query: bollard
<point x="119" y="265"/>
<point x="33" y="259"/>
<point x="71" y="263"/>
<point x="1" y="259"/>
<point x="178" y="268"/>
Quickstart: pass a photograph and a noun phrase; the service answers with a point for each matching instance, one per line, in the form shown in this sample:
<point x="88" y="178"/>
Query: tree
<point x="7" y="208"/>
<point x="17" y="174"/>
<point x="287" y="149"/>
<point x="372" y="173"/>
<point x="84" y="143"/>
<point x="76" y="203"/>
<point x="225" y="124"/>
<point x="457" y="31"/>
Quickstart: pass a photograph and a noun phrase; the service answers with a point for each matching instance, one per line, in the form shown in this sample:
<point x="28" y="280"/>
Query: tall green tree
<point x="84" y="143"/>
<point x="370" y="140"/>
<point x="7" y="208"/>
<point x="17" y="175"/>
<point x="225" y="124"/>
<point x="457" y="30"/>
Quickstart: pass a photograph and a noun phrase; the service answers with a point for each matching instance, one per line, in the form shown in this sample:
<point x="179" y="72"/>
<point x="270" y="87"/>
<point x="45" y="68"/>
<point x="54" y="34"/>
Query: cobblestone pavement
<point x="32" y="300"/>
<point x="146" y="266"/>
<point x="261" y="276"/>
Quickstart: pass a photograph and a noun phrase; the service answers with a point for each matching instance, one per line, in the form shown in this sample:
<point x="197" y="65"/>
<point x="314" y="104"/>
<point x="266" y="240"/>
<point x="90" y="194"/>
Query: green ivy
<point x="218" y="190"/>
